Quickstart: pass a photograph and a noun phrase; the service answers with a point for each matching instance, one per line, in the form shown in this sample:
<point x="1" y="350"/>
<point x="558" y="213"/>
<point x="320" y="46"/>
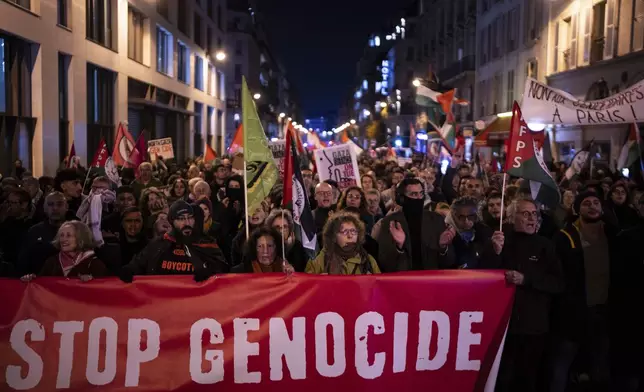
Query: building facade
<point x="73" y="70"/>
<point x="595" y="49"/>
<point x="252" y="57"/>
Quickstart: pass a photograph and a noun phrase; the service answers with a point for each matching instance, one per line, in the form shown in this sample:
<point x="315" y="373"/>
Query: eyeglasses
<point x="528" y="214"/>
<point x="347" y="232"/>
<point x="323" y="193"/>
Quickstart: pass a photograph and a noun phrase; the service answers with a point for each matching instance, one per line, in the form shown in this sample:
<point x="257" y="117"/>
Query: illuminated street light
<point x="294" y="123"/>
<point x="504" y="114"/>
<point x="383" y="105"/>
<point x="366" y="113"/>
<point x="220" y="56"/>
<point x="282" y="115"/>
<point x="416" y="83"/>
<point x="352" y="121"/>
<point x="289" y="119"/>
<point x="257" y="96"/>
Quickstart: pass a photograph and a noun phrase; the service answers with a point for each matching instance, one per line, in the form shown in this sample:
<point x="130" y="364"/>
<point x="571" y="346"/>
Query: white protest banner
<point x="338" y="163"/>
<point x="161" y="148"/>
<point x="546" y="105"/>
<point x="278" y="150"/>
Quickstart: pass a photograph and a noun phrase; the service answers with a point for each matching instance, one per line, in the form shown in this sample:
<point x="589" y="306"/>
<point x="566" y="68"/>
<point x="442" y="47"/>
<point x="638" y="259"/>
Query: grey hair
<point x="373" y="191"/>
<point x="84" y="237"/>
<point x="511" y="210"/>
<point x="277" y="213"/>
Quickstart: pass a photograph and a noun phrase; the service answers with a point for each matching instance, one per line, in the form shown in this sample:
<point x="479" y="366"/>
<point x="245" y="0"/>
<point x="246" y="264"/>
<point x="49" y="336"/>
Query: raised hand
<point x="397" y="233"/>
<point x="446" y="237"/>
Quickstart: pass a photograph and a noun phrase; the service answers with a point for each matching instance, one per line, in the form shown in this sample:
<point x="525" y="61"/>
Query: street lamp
<point x="383" y="105"/>
<point x="289" y="119"/>
<point x="257" y="96"/>
<point x="282" y="115"/>
<point x="220" y="55"/>
<point x="416" y="82"/>
<point x="353" y="122"/>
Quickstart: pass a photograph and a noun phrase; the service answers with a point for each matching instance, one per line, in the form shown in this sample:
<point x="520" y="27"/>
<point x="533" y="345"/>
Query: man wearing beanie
<point x="179" y="252"/>
<point x="587" y="249"/>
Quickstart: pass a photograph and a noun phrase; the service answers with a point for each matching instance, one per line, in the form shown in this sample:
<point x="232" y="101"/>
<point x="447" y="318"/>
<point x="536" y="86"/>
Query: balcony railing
<point x="467" y="63"/>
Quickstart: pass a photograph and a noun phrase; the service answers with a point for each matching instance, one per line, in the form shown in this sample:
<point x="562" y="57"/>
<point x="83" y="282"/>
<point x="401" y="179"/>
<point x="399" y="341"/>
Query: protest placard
<point x="338" y="163"/>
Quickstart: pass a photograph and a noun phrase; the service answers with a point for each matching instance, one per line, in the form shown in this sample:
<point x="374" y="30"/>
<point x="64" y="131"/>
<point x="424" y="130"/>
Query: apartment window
<point x="198" y="32"/>
<point x="209" y="41"/>
<point x="100" y="105"/>
<point x="209" y="78"/>
<point x="221" y="91"/>
<point x="182" y="19"/>
<point x="219" y="44"/>
<point x="135" y="21"/>
<point x="63" y="13"/>
<point x="183" y="62"/>
<point x="198" y="137"/>
<point x="638" y="26"/>
<point x="510" y="90"/>
<point x="238" y="73"/>
<point x="597" y="45"/>
<point x="23" y="3"/>
<point x="63" y="106"/>
<point x="99" y="21"/>
<point x="163" y="8"/>
<point x="239" y="50"/>
<point x="512" y="29"/>
<point x="3" y="81"/>
<point x="211" y="9"/>
<point x="532" y="69"/>
<point x="199" y="72"/>
<point x="165" y="53"/>
<point x="219" y="17"/>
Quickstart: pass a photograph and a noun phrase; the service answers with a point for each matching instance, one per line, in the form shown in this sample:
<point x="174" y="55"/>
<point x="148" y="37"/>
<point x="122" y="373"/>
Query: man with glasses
<point x="408" y="239"/>
<point x="324" y="200"/>
<point x="466" y="242"/>
<point x="530" y="262"/>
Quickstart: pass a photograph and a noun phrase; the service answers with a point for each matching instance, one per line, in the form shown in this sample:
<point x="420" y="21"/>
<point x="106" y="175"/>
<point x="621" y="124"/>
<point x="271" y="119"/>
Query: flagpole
<point x="502" y="203"/>
<point x="89" y="169"/>
<point x="246" y="202"/>
<point x="283" y="242"/>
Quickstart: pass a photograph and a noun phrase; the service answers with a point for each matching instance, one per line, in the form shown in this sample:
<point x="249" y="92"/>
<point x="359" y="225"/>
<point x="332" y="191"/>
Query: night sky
<point x="320" y="42"/>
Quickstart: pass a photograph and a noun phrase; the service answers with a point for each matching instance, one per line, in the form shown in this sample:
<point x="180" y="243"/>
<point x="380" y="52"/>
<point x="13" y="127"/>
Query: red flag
<point x="136" y="156"/>
<point x="101" y="155"/>
<point x="210" y="154"/>
<point x="123" y="146"/>
<point x="238" y="140"/>
<point x="70" y="157"/>
<point x="142" y="147"/>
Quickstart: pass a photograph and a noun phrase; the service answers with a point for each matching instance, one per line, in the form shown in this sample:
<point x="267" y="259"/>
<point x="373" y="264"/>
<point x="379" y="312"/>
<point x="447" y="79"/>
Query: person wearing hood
<point x="467" y="243"/>
<point x="409" y="239"/>
<point x="343" y="253"/>
<point x="177" y="252"/>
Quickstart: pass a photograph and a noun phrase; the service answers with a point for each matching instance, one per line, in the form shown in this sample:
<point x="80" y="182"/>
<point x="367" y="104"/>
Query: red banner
<point x="267" y="332"/>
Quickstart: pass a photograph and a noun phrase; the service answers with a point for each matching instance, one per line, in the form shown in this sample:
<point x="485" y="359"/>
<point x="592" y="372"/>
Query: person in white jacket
<point x="91" y="210"/>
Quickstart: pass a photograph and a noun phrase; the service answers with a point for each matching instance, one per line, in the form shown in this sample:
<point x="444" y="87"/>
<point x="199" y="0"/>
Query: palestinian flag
<point x="525" y="160"/>
<point x="631" y="150"/>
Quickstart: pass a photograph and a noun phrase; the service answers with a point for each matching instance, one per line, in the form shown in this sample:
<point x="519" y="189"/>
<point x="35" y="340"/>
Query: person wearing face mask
<point x="531" y="265"/>
<point x="466" y="242"/>
<point x="408" y="239"/>
<point x="343" y="253"/>
<point x="589" y="254"/>
<point x="177" y="252"/>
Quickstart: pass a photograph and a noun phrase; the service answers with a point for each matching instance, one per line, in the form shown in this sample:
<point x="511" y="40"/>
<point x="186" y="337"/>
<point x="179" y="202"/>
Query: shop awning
<point x="498" y="129"/>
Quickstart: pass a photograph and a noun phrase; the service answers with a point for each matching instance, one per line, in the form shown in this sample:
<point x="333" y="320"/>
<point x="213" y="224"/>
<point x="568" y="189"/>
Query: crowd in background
<point x="578" y="268"/>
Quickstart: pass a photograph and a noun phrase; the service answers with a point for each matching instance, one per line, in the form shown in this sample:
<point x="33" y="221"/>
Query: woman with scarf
<point x="282" y="221"/>
<point x="76" y="258"/>
<point x="90" y="212"/>
<point x="343" y="253"/>
<point x="263" y="253"/>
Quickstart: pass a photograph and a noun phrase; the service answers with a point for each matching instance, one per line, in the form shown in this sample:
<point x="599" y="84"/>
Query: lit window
<point x="365" y="85"/>
<point x="236" y="117"/>
<point x="165" y="52"/>
<point x="376" y="40"/>
<point x="402" y="21"/>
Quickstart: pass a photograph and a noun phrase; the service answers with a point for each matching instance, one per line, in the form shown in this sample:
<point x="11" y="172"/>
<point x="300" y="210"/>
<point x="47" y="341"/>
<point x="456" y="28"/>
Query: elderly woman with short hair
<point x="76" y="258"/>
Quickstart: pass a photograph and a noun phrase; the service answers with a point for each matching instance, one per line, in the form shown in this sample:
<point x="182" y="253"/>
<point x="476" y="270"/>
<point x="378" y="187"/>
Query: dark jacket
<point x="297" y="256"/>
<point x="36" y="248"/>
<point x="91" y="266"/>
<point x="205" y="255"/>
<point x="391" y="259"/>
<point x="534" y="256"/>
<point x="570" y="308"/>
<point x="470" y="255"/>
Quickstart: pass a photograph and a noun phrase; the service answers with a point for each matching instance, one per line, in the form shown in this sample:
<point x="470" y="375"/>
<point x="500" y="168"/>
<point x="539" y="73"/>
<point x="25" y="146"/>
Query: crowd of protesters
<point x="578" y="268"/>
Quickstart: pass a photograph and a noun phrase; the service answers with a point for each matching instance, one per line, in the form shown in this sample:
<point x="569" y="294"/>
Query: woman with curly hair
<point x="263" y="253"/>
<point x="353" y="197"/>
<point x="343" y="253"/>
<point x="178" y="190"/>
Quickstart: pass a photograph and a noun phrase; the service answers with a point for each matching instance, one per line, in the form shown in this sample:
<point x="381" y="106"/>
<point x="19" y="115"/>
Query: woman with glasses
<point x="343" y="252"/>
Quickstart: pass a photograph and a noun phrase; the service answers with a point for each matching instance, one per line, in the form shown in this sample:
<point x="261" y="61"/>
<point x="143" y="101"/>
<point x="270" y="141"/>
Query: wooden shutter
<point x="574" y="32"/>
<point x="555" y="67"/>
<point x="609" y="29"/>
<point x="638" y="26"/>
<point x="587" y="19"/>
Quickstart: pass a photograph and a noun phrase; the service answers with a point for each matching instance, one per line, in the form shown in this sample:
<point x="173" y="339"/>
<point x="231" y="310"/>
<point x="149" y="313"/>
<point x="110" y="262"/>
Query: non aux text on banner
<point x="264" y="332"/>
<point x="547" y="105"/>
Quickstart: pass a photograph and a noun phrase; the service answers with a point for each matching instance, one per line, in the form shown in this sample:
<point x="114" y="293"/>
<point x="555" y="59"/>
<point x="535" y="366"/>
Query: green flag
<point x="261" y="172"/>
